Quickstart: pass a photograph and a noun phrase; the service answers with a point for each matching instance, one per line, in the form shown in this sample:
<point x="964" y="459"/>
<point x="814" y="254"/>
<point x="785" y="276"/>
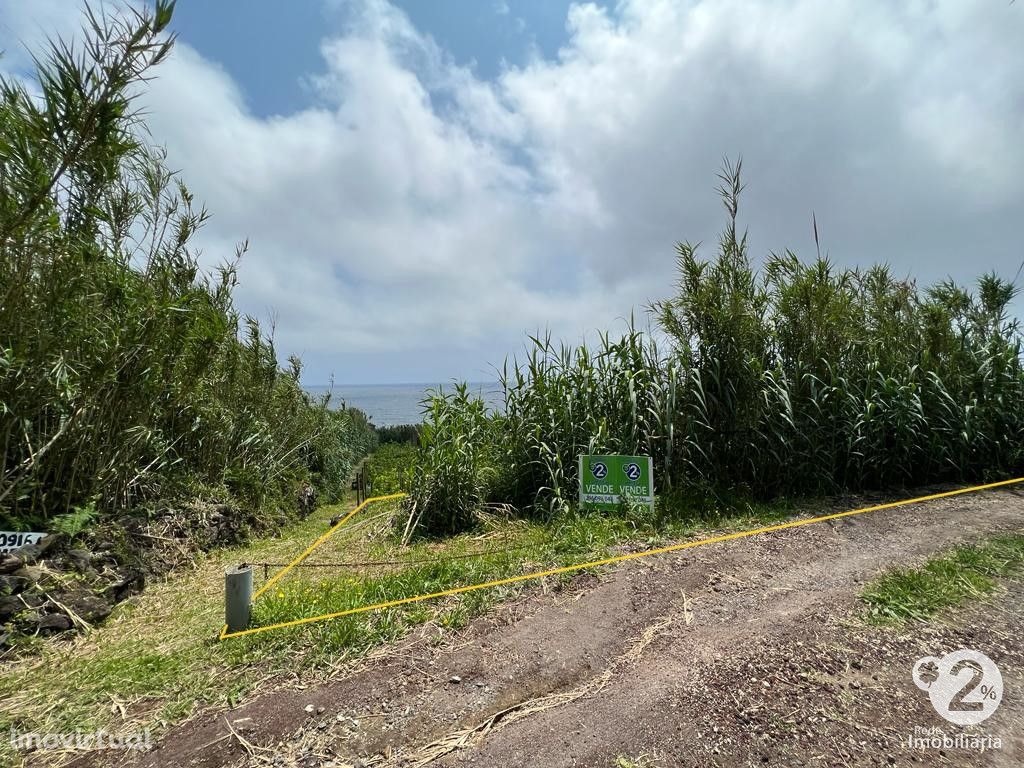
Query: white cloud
<point x="417" y="213"/>
<point x="25" y="26"/>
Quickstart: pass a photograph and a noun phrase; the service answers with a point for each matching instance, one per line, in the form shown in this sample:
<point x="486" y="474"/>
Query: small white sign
<point x="11" y="540"/>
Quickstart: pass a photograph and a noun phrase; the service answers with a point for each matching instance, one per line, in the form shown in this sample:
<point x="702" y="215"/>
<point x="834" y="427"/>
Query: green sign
<point x="606" y="481"/>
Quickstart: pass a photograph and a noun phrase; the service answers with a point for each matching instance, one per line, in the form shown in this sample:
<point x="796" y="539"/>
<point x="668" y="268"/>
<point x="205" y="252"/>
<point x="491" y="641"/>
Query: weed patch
<point x="965" y="572"/>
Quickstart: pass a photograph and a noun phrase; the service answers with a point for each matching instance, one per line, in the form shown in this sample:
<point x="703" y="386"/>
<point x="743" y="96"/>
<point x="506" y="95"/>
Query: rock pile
<point x="60" y="584"/>
<point x="50" y="587"/>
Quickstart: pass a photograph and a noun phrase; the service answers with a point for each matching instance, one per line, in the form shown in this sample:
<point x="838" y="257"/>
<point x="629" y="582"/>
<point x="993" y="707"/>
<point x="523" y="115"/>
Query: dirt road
<point x="749" y="652"/>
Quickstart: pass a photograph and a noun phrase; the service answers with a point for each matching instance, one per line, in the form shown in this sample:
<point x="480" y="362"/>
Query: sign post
<point x="607" y="481"/>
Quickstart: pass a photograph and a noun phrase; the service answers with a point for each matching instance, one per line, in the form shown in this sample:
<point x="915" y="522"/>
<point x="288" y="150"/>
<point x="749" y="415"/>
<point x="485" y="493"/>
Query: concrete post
<point x="237" y="597"/>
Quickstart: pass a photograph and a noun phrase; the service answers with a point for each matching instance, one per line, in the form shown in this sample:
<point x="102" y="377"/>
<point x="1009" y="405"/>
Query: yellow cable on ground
<point x="277" y="576"/>
<point x="581" y="566"/>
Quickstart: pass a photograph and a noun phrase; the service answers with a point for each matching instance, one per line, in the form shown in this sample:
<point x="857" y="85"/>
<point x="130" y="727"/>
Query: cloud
<point x="25" y="26"/>
<point x="416" y="220"/>
<point x="379" y="220"/>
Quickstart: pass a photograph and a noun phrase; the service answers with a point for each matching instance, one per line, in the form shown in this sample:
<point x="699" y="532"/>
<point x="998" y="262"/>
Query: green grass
<point x="159" y="659"/>
<point x="390" y="468"/>
<point x="157" y="655"/>
<point x="503" y="549"/>
<point x="963" y="573"/>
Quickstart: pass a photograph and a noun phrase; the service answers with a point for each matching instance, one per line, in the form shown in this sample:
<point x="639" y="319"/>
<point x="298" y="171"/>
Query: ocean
<point x="391" y="404"/>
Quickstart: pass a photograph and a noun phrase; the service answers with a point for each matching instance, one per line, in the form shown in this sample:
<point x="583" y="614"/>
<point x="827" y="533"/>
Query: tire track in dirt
<point x="715" y="691"/>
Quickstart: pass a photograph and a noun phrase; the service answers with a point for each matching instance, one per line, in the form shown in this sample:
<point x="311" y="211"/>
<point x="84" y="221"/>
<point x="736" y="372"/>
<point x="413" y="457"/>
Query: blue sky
<point x="273" y="47"/>
<point x="424" y="183"/>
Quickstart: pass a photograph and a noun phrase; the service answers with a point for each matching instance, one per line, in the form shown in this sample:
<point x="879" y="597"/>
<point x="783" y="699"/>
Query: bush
<point x="452" y="470"/>
<point x="390" y="468"/>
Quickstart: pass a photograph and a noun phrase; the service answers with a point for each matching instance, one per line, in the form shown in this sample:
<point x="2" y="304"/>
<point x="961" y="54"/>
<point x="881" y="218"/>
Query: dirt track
<point x="742" y="653"/>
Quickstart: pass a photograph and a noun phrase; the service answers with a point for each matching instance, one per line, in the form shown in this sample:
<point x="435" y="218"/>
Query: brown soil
<point x="745" y="653"/>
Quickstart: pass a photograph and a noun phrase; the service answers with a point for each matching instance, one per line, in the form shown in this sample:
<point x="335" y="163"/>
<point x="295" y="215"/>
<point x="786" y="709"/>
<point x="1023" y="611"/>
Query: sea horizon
<point x="394" y="404"/>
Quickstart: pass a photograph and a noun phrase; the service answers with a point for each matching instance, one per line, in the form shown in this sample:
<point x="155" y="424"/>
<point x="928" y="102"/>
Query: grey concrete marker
<point x="237" y="597"/>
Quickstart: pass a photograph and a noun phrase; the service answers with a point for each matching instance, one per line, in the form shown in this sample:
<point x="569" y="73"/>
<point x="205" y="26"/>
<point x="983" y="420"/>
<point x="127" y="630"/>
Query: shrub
<point x="390" y="468"/>
<point x="453" y="470"/>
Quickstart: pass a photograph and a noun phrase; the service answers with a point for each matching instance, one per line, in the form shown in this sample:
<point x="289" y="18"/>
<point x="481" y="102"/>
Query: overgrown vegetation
<point x="945" y="581"/>
<point x="390" y="468"/>
<point x="457" y="465"/>
<point x="126" y="372"/>
<point x="127" y="377"/>
<point x="399" y="433"/>
<point x="796" y="378"/>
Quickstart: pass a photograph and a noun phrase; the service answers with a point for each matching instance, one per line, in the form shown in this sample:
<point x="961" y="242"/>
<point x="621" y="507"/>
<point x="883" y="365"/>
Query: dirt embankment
<point x="748" y="652"/>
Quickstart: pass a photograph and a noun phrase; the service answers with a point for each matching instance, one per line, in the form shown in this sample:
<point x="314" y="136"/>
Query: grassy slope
<point x="157" y="656"/>
<point x="157" y="660"/>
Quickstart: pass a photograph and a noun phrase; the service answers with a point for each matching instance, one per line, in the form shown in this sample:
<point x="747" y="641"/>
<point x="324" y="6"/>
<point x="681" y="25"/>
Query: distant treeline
<point x="798" y="378"/>
<point x="400" y="433"/>
<point x="126" y="374"/>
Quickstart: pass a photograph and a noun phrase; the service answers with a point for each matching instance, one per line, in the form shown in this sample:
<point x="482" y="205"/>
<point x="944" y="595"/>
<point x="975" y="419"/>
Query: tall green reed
<point x="126" y="373"/>
<point x="795" y="378"/>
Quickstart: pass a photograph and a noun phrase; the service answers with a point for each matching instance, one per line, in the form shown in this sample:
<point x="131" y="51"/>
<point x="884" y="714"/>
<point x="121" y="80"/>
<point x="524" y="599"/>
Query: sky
<point x="423" y="183"/>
